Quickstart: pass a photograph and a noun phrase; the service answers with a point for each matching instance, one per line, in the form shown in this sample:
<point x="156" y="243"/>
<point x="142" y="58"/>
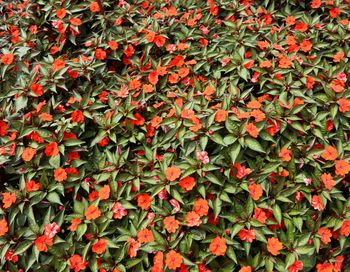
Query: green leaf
<point x="254" y="144"/>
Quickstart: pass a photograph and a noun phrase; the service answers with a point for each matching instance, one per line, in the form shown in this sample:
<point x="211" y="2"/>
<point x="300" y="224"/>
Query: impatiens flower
<point x="325" y="235"/>
<point x="60" y="174"/>
<point x="172" y="173"/>
<point x="7" y="59"/>
<point x="99" y="247"/>
<point x="344" y="105"/>
<point x="77" y="263"/>
<point x="274" y="246"/>
<point x="173" y="259"/>
<point x="242" y="171"/>
<point x="61" y="13"/>
<point x="245" y="269"/>
<point x="100" y="54"/>
<point x="144" y="201"/>
<point x="94" y="7"/>
<point x="119" y="211"/>
<point x="252" y="130"/>
<point x="158" y="262"/>
<point x="77" y="116"/>
<point x="296" y="266"/>
<point x="75" y="21"/>
<point x="3" y="227"/>
<point x="133" y="247"/>
<point x="193" y="219"/>
<point x="334" y="12"/>
<point x="247" y="235"/>
<point x="58" y="64"/>
<point x="317" y="203"/>
<point x="145" y="236"/>
<point x="255" y="191"/>
<point x="8" y="199"/>
<point x="326" y="267"/>
<point x="260" y="215"/>
<point x="50" y="230"/>
<point x="337" y="266"/>
<point x="221" y="116"/>
<point x="28" y="154"/>
<point x="328" y="181"/>
<point x="201" y="207"/>
<point x="342" y="167"/>
<point x="218" y="246"/>
<point x="202" y="156"/>
<point x="171" y="224"/>
<point x="104" y="192"/>
<point x="3" y="128"/>
<point x="345" y="228"/>
<point x="330" y="153"/>
<point x="42" y="243"/>
<point x="285" y="154"/>
<point x="74" y="224"/>
<point x="187" y="183"/>
<point x="92" y="212"/>
<point x="51" y="149"/>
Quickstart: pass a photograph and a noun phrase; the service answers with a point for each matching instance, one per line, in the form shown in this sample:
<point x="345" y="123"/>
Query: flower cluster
<point x="150" y="135"/>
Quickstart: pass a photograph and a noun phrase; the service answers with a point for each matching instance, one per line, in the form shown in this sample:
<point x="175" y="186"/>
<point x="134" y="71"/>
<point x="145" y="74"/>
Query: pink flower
<point x="50" y="230"/>
<point x="203" y="156"/>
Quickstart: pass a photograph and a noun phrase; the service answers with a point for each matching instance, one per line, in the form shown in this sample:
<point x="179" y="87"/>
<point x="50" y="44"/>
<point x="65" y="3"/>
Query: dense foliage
<point x="187" y="135"/>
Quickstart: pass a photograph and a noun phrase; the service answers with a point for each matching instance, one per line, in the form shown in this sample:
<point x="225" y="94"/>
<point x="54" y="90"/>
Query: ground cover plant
<point x="182" y="135"/>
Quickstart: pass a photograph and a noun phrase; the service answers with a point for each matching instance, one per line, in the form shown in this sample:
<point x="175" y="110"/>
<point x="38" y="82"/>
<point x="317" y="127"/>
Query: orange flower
<point x="51" y="149"/>
<point x="147" y="88"/>
<point x="172" y="173"/>
<point x="221" y="116"/>
<point x="74" y="224"/>
<point x="337" y="85"/>
<point x="75" y="21"/>
<point x="42" y="243"/>
<point x="254" y="104"/>
<point x="104" y="192"/>
<point x="193" y="219"/>
<point x="3" y="227"/>
<point x="100" y="246"/>
<point x="344" y="105"/>
<point x="342" y="167"/>
<point x="47" y="117"/>
<point x="145" y="236"/>
<point x="8" y="199"/>
<point x="7" y="59"/>
<point x="330" y="153"/>
<point x="95" y="7"/>
<point x="61" y="13"/>
<point x="134" y="84"/>
<point x="58" y="64"/>
<point x="133" y="247"/>
<point x="158" y="262"/>
<point x="247" y="235"/>
<point x="345" y="228"/>
<point x="92" y="212"/>
<point x="171" y="224"/>
<point x="150" y="36"/>
<point x="183" y="72"/>
<point x="100" y="54"/>
<point x="326" y="267"/>
<point x="144" y="201"/>
<point x="77" y="263"/>
<point x="274" y="246"/>
<point x="155" y="122"/>
<point x="245" y="269"/>
<point x="338" y="56"/>
<point x="285" y="154"/>
<point x="187" y="183"/>
<point x="28" y="154"/>
<point x="305" y="46"/>
<point x="265" y="64"/>
<point x="260" y="215"/>
<point x="218" y="246"/>
<point x="32" y="186"/>
<point x="252" y="130"/>
<point x="328" y="181"/>
<point x="296" y="266"/>
<point x="60" y="174"/>
<point x="78" y="116"/>
<point x="325" y="234"/>
<point x="173" y="259"/>
<point x="113" y="45"/>
<point x="284" y="62"/>
<point x="317" y="203"/>
<point x="255" y="191"/>
<point x="201" y="207"/>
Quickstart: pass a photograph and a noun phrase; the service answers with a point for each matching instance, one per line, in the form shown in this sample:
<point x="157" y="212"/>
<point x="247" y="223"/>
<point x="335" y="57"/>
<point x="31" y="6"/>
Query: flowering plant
<point x="148" y="135"/>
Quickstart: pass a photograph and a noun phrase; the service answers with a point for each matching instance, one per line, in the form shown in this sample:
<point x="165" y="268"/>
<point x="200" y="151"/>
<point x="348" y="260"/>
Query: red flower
<point x="77" y="116"/>
<point x="247" y="235"/>
<point x="42" y="243"/>
<point x="7" y="59"/>
<point x="100" y="54"/>
<point x="3" y="128"/>
<point x="100" y="246"/>
<point x="144" y="201"/>
<point x="77" y="263"/>
<point x="296" y="266"/>
<point x="37" y="89"/>
<point x="32" y="186"/>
